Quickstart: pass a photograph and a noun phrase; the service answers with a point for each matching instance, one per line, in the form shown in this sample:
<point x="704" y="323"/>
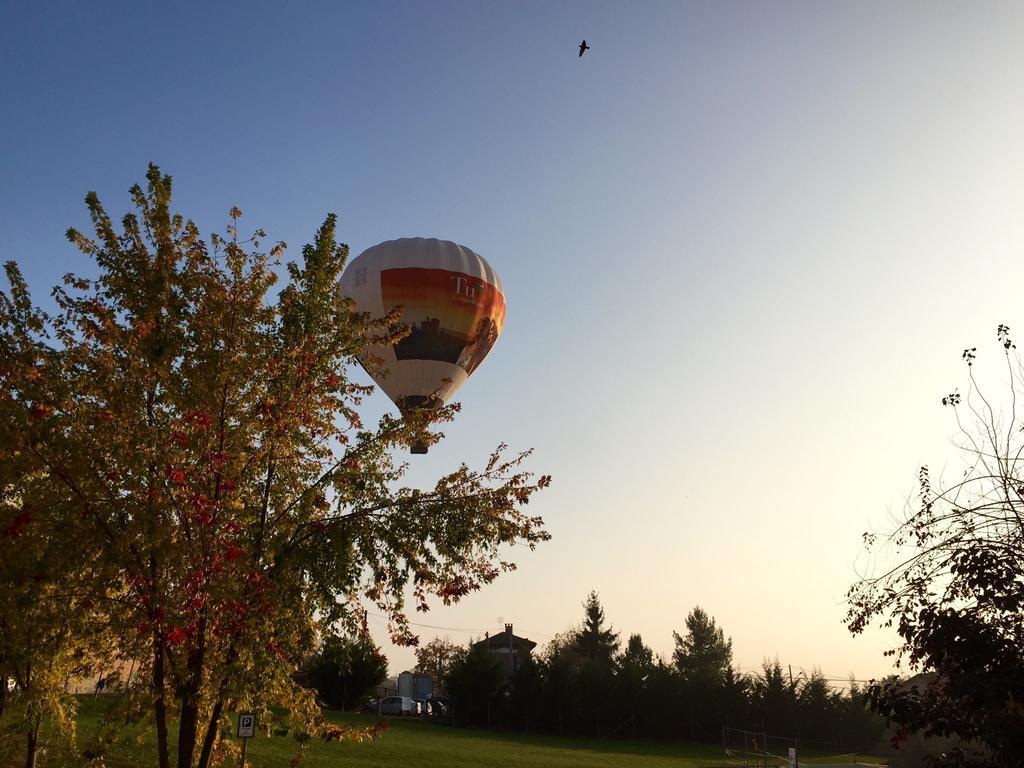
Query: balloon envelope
<point x="453" y="301"/>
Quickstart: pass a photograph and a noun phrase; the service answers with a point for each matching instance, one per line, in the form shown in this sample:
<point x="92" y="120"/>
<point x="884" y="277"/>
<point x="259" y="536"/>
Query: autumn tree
<point x="45" y="635"/>
<point x="202" y="435"/>
<point x="950" y="580"/>
<point x="436" y="658"/>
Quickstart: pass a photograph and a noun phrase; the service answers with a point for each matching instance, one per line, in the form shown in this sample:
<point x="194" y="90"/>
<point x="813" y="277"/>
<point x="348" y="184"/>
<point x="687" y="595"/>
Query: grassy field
<point x="425" y="745"/>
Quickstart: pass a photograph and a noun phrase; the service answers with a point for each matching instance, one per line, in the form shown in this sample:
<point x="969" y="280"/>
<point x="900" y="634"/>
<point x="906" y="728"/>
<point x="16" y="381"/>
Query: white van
<point x="399" y="705"/>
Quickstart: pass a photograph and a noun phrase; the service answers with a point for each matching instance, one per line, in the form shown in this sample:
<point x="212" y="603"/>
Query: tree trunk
<point x="31" y="743"/>
<point x="128" y="682"/>
<point x="32" y="734"/>
<point x="159" y="704"/>
<point x="3" y="693"/>
<point x="210" y="739"/>
<point x="188" y="728"/>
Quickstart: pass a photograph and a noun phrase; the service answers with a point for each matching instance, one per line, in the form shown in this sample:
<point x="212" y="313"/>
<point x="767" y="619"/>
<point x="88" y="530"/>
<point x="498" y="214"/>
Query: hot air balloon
<point x="453" y="301"/>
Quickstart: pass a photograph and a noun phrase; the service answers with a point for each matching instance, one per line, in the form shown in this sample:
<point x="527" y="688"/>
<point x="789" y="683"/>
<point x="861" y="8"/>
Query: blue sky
<point x="742" y="246"/>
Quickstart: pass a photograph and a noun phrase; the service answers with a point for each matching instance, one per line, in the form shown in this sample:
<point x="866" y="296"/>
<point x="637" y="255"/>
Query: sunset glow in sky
<point x="742" y="247"/>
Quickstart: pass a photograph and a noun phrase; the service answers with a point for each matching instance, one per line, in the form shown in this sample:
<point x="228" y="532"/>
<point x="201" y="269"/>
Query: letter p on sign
<point x="246" y="726"/>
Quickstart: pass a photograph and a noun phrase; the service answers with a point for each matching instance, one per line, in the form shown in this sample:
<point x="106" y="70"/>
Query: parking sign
<point x="246" y="726"/>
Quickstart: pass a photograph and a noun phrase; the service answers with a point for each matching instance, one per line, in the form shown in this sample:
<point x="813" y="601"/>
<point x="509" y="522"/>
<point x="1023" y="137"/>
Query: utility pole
<point x="794" y="756"/>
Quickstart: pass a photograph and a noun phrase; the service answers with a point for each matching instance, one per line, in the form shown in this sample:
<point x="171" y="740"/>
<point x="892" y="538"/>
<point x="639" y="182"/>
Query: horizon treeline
<point x="587" y="682"/>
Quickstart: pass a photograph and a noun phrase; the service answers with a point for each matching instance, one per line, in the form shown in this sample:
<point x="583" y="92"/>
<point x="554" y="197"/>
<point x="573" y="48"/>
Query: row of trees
<point x="587" y="682"/>
<point x="186" y="484"/>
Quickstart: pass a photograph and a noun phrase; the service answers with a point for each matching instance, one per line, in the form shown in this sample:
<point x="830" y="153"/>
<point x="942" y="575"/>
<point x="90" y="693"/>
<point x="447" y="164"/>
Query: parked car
<point x="437" y="708"/>
<point x="400" y="705"/>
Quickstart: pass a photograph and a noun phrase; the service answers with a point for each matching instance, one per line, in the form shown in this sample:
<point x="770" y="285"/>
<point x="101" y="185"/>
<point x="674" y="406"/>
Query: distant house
<point x="509" y="648"/>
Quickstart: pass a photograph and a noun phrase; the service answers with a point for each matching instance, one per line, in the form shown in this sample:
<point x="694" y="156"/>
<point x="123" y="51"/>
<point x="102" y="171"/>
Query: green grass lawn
<point x="425" y="745"/>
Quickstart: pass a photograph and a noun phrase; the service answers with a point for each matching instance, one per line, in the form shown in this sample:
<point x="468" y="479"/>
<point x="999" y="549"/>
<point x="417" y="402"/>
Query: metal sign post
<point x="246" y="730"/>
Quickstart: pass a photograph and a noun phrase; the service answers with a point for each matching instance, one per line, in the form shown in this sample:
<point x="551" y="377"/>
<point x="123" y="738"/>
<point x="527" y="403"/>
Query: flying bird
<point x="584" y="47"/>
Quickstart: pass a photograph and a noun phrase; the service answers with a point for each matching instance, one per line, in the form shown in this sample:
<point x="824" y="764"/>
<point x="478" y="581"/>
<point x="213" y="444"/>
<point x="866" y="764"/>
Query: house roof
<point x="506" y="638"/>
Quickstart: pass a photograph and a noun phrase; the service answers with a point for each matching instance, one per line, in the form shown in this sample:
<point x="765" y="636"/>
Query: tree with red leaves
<point x="202" y="438"/>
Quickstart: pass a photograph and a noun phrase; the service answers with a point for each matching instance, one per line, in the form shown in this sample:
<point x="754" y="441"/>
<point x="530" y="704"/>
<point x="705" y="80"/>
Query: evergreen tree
<point x="816" y="708"/>
<point x="634" y="669"/>
<point x="662" y="702"/>
<point x="704" y="656"/>
<point x="637" y="657"/>
<point x="593" y="642"/>
<point x="775" y="698"/>
<point x="735" y="698"/>
<point x="561" y="674"/>
<point x="472" y="683"/>
<point x="346" y="670"/>
<point x="526" y="685"/>
<point x="856" y="723"/>
<point x="703" y="659"/>
<point x="596" y="647"/>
